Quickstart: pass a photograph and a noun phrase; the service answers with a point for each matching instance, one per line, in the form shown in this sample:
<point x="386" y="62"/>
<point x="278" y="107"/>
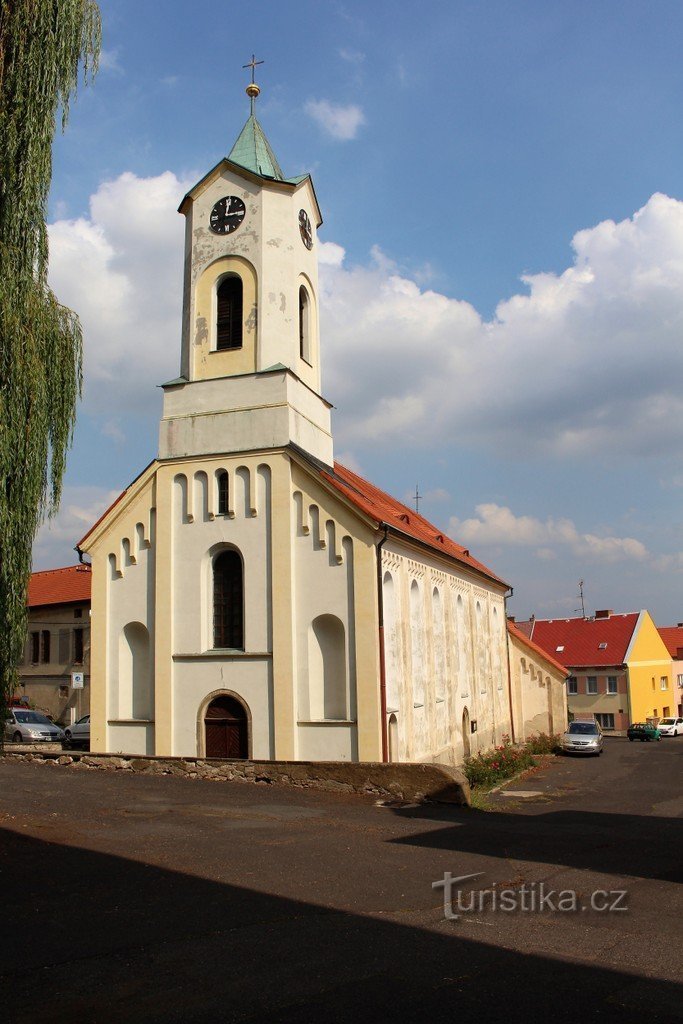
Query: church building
<point x="252" y="598"/>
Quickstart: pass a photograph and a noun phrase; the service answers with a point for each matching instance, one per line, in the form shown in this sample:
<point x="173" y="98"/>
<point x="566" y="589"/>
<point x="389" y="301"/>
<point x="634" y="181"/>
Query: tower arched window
<point x="304" y="325"/>
<point x="223" y="493"/>
<point x="229" y="313"/>
<point x="228" y="601"/>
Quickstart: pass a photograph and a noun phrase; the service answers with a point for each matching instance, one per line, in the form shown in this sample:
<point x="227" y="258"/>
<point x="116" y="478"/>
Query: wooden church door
<point x="226" y="729"/>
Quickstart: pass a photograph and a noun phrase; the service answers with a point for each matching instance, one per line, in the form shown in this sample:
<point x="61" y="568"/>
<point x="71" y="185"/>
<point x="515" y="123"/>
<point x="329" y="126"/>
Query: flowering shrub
<point x="485" y="770"/>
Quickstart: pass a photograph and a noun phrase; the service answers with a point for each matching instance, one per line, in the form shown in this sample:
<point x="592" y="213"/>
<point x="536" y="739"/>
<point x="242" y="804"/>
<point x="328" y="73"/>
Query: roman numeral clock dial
<point x="227" y="215"/>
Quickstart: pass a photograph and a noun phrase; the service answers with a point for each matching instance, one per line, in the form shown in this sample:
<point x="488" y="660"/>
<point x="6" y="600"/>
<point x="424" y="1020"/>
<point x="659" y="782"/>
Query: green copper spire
<point x="253" y="151"/>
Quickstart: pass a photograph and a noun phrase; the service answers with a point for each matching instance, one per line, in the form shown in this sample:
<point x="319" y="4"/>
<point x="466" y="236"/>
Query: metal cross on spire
<point x="253" y="63"/>
<point x="253" y="89"/>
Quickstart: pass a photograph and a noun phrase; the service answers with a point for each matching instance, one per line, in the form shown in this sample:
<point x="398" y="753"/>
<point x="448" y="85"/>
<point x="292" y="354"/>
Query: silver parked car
<point x="583" y="738"/>
<point x="78" y="734"/>
<point x="26" y="726"/>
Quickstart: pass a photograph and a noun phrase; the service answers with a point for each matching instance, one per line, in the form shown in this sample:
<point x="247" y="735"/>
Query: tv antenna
<point x="582" y="609"/>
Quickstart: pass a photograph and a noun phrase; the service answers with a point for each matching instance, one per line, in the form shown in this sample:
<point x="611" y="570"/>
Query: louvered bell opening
<point x="229" y="313"/>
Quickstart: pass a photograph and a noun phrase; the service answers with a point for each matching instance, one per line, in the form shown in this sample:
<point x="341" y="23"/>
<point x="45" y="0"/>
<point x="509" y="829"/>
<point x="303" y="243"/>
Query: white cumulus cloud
<point x="587" y="361"/>
<point x="497" y="524"/>
<point x="80" y="508"/>
<point x="340" y="121"/>
<point x="121" y="269"/>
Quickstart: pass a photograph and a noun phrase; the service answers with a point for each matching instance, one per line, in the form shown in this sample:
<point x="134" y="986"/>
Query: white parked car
<point x="670" y="726"/>
<point x="79" y="733"/>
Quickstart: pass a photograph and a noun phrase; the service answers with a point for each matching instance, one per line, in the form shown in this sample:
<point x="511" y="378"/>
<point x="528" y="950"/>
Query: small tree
<point x="43" y="46"/>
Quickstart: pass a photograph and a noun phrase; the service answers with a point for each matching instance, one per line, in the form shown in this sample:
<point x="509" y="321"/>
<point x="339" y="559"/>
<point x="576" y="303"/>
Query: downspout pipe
<point x="382" y="668"/>
<point x="507" y="648"/>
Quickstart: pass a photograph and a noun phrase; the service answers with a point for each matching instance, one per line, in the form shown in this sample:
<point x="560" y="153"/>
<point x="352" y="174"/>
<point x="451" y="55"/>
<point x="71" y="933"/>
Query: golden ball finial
<point x="252" y="90"/>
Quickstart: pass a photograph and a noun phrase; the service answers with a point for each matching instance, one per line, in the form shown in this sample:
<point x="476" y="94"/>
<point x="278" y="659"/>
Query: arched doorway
<point x="466" y="733"/>
<point x="226" y="729"/>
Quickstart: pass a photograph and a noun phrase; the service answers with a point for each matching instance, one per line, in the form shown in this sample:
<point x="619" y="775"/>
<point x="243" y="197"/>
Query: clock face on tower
<point x="305" y="229"/>
<point x="227" y="215"/>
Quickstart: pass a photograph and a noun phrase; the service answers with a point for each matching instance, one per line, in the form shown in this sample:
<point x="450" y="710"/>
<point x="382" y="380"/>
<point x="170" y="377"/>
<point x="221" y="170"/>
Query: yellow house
<point x="621" y="670"/>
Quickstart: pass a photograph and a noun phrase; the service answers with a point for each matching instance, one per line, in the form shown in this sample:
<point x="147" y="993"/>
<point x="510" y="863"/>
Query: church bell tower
<point x="250" y="361"/>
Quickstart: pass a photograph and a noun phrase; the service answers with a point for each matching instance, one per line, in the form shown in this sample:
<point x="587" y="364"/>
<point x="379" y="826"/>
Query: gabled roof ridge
<point x="76" y="567"/>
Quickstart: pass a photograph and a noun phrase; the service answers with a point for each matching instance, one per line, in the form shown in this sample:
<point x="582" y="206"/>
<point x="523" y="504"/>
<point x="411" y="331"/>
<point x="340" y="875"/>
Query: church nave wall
<point x="445" y="659"/>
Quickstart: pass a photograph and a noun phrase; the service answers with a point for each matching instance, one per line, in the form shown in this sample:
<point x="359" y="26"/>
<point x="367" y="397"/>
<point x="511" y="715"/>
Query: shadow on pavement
<point x="617" y="844"/>
<point x="92" y="938"/>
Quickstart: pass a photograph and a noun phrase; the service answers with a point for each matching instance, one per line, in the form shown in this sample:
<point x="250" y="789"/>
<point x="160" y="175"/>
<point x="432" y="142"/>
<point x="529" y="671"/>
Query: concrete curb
<point x="409" y="783"/>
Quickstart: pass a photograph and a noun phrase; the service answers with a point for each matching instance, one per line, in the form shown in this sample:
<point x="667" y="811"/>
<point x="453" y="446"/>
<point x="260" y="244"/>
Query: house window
<point x="78" y="613"/>
<point x="591" y="684"/>
<point x="228" y="600"/>
<point x="666" y="712"/>
<point x="611" y="684"/>
<point x="304" y="325"/>
<point x="605" y="721"/>
<point x="572" y="685"/>
<point x="223" y="493"/>
<point x="229" y="313"/>
<point x="45" y="646"/>
<point x="663" y="683"/>
<point x="78" y="646"/>
<point x="35" y="648"/>
<point x="680" y="681"/>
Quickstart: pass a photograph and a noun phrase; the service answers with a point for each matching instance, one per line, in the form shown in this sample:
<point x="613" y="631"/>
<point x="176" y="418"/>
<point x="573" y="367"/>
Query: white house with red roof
<point x="251" y="596"/>
<point x="57" y="650"/>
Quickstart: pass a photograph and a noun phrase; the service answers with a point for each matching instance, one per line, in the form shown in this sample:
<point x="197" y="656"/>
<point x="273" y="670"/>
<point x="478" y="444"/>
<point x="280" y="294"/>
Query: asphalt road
<point x="159" y="899"/>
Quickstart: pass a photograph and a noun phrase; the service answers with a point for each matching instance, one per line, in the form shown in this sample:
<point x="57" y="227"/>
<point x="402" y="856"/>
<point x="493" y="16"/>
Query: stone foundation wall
<point x="411" y="783"/>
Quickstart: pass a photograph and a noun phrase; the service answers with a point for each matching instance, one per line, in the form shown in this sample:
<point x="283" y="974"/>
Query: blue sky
<point x="503" y="262"/>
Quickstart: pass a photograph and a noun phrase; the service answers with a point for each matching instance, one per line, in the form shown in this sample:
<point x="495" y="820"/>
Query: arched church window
<point x="304" y="325"/>
<point x="223" y="493"/>
<point x="228" y="601"/>
<point x="229" y="313"/>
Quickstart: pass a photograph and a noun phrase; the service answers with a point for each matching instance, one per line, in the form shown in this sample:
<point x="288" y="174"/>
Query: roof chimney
<point x="604" y="613"/>
<point x="511" y="618"/>
<point x="679" y="624"/>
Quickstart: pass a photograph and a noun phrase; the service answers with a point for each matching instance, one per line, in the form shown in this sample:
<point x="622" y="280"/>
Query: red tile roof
<point x="581" y="639"/>
<point x="514" y="630"/>
<point x="381" y="507"/>
<point x="525" y="627"/>
<point x="673" y="639"/>
<point x="59" y="586"/>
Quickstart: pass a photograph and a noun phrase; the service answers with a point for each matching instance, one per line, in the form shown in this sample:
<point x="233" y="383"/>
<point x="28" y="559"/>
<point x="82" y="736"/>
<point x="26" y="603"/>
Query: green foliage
<point x="543" y="744"/>
<point x="43" y="46"/>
